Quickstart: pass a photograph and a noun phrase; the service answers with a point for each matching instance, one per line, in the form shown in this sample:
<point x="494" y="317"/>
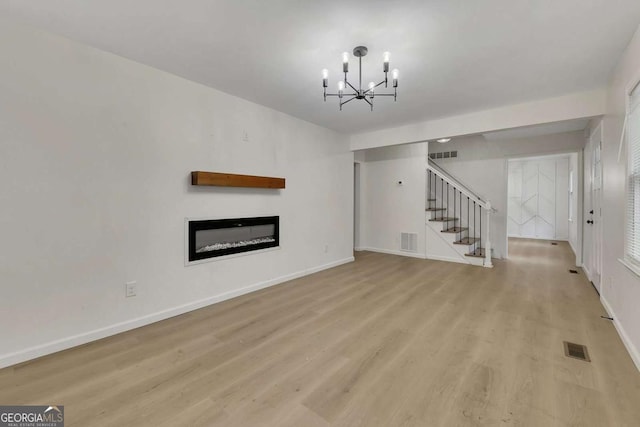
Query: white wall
<point x="482" y="166"/>
<point x="389" y="208"/>
<point x="356" y="204"/>
<point x="359" y="199"/>
<point x="621" y="287"/>
<point x="95" y="154"/>
<point x="574" y="204"/>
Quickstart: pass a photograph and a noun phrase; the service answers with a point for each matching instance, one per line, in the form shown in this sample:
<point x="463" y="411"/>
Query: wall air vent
<point x="409" y="242"/>
<point x="443" y="155"/>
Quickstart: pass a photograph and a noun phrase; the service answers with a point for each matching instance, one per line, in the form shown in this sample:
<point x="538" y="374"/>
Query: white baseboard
<point x="394" y="252"/>
<point x="86" y="337"/>
<point x="633" y="351"/>
<point x="575" y="252"/>
<point x="448" y="259"/>
<point x="573" y="248"/>
<point x="586" y="272"/>
<point x="515" y="236"/>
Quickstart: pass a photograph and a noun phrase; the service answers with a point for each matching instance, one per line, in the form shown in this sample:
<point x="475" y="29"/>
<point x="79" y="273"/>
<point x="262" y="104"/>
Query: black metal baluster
<point x="480" y="237"/>
<point x="454" y="206"/>
<point x="447" y="215"/>
<point x="474" y="221"/>
<point x="441" y="195"/>
<point x="468" y="217"/>
<point x="435" y="184"/>
<point x="434" y="192"/>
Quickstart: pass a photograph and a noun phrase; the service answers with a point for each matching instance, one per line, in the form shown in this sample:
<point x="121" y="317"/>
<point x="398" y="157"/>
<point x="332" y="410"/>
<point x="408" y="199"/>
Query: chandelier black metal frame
<point x="358" y="93"/>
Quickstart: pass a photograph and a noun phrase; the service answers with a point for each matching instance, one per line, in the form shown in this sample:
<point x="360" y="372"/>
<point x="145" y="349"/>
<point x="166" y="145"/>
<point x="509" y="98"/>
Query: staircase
<point x="455" y="217"/>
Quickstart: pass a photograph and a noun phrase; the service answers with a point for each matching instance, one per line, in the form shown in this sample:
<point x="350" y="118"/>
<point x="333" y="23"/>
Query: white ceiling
<point x="455" y="56"/>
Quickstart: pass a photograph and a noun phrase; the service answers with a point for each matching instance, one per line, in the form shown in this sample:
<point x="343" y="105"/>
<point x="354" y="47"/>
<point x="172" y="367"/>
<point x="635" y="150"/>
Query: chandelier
<point x="358" y="93"/>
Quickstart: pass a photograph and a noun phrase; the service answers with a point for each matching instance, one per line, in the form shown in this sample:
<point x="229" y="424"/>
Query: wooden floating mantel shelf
<point x="233" y="180"/>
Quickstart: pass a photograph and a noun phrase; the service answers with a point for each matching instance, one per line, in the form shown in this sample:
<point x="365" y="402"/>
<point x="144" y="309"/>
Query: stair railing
<point x="439" y="170"/>
<point x="438" y="177"/>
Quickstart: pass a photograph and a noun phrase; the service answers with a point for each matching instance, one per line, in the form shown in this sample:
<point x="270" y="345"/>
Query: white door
<point x="538" y="198"/>
<point x="546" y="219"/>
<point x="592" y="241"/>
<point x="515" y="211"/>
<point x="562" y="199"/>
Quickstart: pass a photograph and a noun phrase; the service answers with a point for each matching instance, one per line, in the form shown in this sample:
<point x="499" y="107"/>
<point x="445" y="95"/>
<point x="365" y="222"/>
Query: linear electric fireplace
<point x="218" y="237"/>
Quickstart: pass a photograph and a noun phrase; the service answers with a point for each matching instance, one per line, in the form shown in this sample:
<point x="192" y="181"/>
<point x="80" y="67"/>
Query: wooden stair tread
<point x="455" y="230"/>
<point x="435" y="209"/>
<point x="443" y="219"/>
<point x="478" y="253"/>
<point x="467" y="241"/>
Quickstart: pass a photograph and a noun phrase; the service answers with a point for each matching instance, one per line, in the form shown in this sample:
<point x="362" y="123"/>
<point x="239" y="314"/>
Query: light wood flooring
<point x="384" y="341"/>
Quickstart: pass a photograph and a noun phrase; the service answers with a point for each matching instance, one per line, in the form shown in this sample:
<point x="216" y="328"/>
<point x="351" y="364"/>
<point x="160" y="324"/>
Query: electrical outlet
<point x="326" y="248"/>
<point x="245" y="136"/>
<point x="130" y="289"/>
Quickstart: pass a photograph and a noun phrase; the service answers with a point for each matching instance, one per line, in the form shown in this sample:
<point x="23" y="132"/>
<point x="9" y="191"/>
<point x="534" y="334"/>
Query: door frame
<point x="592" y="246"/>
<point x="579" y="250"/>
<point x="580" y="190"/>
<point x="357" y="205"/>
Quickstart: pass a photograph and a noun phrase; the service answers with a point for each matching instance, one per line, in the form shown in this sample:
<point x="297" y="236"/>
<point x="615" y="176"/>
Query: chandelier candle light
<point x="366" y="94"/>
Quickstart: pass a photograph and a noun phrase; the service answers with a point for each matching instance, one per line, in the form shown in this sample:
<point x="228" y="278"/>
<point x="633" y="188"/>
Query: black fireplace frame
<point x="208" y="224"/>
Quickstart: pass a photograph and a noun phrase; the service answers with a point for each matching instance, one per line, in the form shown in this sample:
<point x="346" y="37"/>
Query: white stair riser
<point x="469" y="248"/>
<point x="476" y="261"/>
<point x="450" y="238"/>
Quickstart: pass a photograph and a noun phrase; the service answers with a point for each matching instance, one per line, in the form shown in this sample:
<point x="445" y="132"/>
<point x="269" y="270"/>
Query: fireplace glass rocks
<point x="214" y="238"/>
